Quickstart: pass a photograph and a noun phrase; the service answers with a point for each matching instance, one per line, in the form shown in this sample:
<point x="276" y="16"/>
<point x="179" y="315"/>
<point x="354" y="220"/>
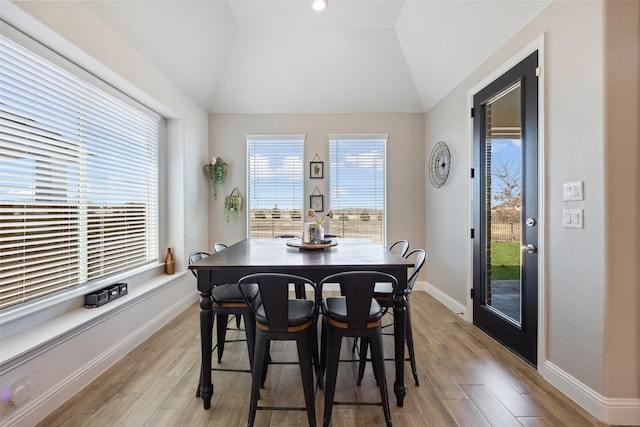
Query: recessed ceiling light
<point x="319" y="5"/>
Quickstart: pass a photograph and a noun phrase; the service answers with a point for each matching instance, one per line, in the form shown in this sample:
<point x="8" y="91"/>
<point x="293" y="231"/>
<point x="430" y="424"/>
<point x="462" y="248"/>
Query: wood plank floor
<point x="466" y="379"/>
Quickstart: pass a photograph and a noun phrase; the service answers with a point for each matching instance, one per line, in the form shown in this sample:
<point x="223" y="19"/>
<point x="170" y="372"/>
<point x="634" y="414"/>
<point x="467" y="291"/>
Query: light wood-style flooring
<point x="466" y="379"/>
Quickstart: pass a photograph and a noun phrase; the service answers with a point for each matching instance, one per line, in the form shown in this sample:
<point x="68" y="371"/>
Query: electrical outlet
<point x="20" y="392"/>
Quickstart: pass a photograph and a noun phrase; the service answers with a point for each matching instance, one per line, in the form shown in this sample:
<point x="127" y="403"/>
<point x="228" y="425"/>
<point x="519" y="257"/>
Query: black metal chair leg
<point x="334" y="342"/>
<point x="304" y="345"/>
<point x="377" y="357"/>
<point x="300" y="291"/>
<point x="261" y="346"/>
<point x="221" y="332"/>
<point x="409" y="338"/>
<point x="364" y="348"/>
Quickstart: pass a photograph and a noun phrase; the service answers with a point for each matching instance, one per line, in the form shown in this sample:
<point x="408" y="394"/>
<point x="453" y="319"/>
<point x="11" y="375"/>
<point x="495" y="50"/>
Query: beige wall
<point x="590" y="275"/>
<point x="622" y="197"/>
<point x="405" y="169"/>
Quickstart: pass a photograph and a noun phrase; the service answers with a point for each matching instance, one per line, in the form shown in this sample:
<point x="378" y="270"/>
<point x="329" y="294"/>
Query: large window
<point x="275" y="185"/>
<point x="357" y="184"/>
<point x="78" y="179"/>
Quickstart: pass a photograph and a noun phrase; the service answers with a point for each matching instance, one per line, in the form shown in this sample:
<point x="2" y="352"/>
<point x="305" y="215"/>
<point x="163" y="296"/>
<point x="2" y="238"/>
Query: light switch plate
<point x="572" y="191"/>
<point x="572" y="218"/>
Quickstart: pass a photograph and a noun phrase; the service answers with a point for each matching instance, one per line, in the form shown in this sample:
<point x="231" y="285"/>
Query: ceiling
<point x="269" y="56"/>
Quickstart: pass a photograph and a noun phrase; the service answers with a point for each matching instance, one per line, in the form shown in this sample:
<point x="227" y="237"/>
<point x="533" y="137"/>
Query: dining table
<point x="281" y="256"/>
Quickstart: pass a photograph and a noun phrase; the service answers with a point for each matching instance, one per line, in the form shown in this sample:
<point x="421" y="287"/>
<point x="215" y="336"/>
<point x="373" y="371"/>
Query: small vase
<point x="317" y="234"/>
<point x="169" y="266"/>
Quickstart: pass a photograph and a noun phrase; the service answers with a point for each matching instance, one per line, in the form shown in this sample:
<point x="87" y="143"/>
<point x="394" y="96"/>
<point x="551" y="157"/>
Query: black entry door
<point x="505" y="280"/>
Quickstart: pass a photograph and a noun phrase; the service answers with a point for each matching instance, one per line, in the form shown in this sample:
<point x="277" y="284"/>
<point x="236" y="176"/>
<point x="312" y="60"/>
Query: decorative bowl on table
<point x="320" y="244"/>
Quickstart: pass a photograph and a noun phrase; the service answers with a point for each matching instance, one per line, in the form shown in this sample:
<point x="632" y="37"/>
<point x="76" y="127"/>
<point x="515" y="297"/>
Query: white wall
<point x="87" y="342"/>
<point x="405" y="168"/>
<point x="591" y="275"/>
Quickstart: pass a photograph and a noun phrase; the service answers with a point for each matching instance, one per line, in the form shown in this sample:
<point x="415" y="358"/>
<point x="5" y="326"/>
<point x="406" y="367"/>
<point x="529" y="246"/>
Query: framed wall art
<point x="316" y="168"/>
<point x="316" y="202"/>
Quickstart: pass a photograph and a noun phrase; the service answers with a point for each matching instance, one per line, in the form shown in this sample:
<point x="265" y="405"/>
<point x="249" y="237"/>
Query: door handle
<point x="529" y="249"/>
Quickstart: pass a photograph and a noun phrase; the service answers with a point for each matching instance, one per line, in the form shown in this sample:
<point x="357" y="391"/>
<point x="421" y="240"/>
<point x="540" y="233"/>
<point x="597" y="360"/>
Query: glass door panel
<point x="503" y="154"/>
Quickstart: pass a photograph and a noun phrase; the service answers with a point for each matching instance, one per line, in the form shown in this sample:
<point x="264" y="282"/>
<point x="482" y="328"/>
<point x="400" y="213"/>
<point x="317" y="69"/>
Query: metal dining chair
<point x="400" y="247"/>
<point x="354" y="314"/>
<point x="382" y="292"/>
<point x="217" y="247"/>
<point x="280" y="318"/>
<point x="228" y="300"/>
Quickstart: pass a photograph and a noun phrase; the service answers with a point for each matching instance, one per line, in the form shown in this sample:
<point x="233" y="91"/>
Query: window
<point x="78" y="180"/>
<point x="275" y="185"/>
<point x="357" y="184"/>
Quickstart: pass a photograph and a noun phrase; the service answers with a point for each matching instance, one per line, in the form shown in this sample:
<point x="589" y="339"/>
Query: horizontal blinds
<point x="78" y="180"/>
<point x="275" y="166"/>
<point x="357" y="184"/>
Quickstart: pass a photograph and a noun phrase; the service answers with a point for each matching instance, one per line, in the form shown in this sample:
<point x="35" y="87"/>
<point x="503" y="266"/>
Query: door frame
<point x="537" y="44"/>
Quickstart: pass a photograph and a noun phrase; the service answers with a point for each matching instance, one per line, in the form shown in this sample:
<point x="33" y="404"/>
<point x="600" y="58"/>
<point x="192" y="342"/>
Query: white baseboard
<point x="610" y="411"/>
<point x="34" y="410"/>
<point x="445" y="299"/>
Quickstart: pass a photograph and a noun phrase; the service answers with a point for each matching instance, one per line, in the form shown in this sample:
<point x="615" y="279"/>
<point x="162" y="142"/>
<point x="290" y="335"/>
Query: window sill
<point x="43" y="334"/>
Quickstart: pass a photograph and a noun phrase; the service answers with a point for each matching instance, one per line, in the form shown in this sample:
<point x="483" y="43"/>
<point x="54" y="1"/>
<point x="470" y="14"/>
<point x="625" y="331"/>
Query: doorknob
<point x="530" y="249"/>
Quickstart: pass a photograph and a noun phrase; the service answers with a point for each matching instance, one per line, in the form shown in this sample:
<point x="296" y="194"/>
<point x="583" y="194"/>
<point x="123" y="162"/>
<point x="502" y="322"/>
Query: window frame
<point x="69" y="293"/>
<point x="301" y="177"/>
<point x="358" y="137"/>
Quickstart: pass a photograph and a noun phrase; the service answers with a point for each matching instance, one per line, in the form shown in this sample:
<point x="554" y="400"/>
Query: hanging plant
<point x="217" y="173"/>
<point x="232" y="205"/>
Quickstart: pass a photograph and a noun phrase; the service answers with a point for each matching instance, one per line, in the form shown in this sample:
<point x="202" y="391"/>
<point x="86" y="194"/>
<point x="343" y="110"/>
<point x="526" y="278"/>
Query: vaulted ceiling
<point x="280" y="56"/>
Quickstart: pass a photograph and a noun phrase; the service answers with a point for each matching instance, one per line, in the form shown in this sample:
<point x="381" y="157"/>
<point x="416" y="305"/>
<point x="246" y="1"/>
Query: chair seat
<point x="229" y="293"/>
<point x="382" y="289"/>
<point x="300" y="312"/>
<point x="335" y="308"/>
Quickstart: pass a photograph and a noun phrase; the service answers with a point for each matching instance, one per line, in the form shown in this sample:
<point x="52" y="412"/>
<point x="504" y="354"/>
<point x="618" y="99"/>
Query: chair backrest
<point x="197" y="256"/>
<point x="357" y="288"/>
<point x="217" y="246"/>
<point x="274" y="292"/>
<point x="287" y="236"/>
<point x="419" y="256"/>
<point x="331" y="236"/>
<point x="400" y="247"/>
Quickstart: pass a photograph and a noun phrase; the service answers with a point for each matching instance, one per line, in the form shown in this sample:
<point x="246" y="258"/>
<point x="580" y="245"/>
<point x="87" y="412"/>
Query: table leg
<point x="399" y="315"/>
<point x="206" y="328"/>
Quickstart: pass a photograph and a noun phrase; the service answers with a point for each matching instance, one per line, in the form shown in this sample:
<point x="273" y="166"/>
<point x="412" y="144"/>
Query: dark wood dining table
<point x="274" y="255"/>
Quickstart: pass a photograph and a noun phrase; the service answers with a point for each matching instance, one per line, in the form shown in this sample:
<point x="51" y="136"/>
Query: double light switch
<point x="572" y="191"/>
<point x="573" y="218"/>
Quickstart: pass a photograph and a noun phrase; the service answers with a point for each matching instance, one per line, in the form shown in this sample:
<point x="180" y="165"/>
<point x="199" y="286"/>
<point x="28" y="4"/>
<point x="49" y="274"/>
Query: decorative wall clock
<point x="439" y="164"/>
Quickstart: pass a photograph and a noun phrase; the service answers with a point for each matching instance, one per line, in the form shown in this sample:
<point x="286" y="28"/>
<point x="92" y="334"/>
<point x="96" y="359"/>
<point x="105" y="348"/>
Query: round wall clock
<point x="439" y="164"/>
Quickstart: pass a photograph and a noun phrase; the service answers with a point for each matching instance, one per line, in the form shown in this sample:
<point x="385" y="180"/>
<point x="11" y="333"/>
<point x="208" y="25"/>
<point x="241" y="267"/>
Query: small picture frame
<point x="316" y="202"/>
<point x="316" y="170"/>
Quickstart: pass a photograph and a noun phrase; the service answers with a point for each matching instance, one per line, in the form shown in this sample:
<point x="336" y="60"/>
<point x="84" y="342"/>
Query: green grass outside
<point x="505" y="261"/>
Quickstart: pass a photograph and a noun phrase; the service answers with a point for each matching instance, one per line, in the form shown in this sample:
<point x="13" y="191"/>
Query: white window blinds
<point x="78" y="180"/>
<point x="275" y="168"/>
<point x="357" y="184"/>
